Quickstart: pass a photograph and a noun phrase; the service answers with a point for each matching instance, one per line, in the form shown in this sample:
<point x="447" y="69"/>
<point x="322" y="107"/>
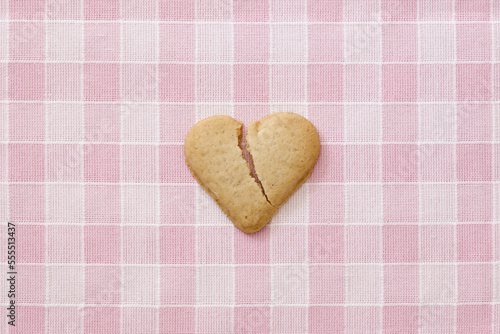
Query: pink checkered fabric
<point x="396" y="231"/>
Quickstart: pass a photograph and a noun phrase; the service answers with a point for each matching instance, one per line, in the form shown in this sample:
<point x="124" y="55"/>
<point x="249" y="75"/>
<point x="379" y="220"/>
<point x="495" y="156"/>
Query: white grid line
<point x="419" y="175"/>
<point x="344" y="170"/>
<point x="70" y="223"/>
<point x="199" y="22"/>
<point x="82" y="232"/>
<point x="46" y="186"/>
<point x="455" y="116"/>
<point x="166" y="184"/>
<point x="157" y="166"/>
<point x="232" y="56"/>
<point x="145" y="62"/>
<point x="271" y="279"/>
<point x="493" y="239"/>
<point x="7" y="129"/>
<point x="177" y="265"/>
<point x="123" y="143"/>
<point x="120" y="171"/>
<point x="254" y="305"/>
<point x="305" y="185"/>
<point x="197" y="190"/>
<point x="255" y="103"/>
<point x="381" y="168"/>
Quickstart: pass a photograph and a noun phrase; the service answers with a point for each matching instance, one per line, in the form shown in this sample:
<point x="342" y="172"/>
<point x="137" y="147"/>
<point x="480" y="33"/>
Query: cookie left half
<point x="214" y="156"/>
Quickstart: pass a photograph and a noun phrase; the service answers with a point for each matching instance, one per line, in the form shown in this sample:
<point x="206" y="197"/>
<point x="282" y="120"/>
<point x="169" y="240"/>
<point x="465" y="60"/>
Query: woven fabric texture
<point x="396" y="231"/>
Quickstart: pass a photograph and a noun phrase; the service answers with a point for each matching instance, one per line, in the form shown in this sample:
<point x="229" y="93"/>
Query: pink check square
<point x="27" y="41"/>
<point x="328" y="120"/>
<point x="102" y="244"/>
<point x="399" y="82"/>
<point x="401" y="203"/>
<point x="474" y="122"/>
<point x="474" y="162"/>
<point x="330" y="165"/>
<point x="252" y="319"/>
<point x="177" y="205"/>
<point x="102" y="10"/>
<point x="401" y="284"/>
<point x="251" y="42"/>
<point x="401" y="319"/>
<point x="102" y="163"/>
<point x="325" y="10"/>
<point x="399" y="10"/>
<point x="474" y="242"/>
<point x="26" y="203"/>
<point x="400" y="162"/>
<point x="98" y="318"/>
<point x="475" y="283"/>
<point x="251" y="11"/>
<point x="61" y="319"/>
<point x="399" y="42"/>
<point x="325" y="34"/>
<point x="253" y="285"/>
<point x="474" y="318"/>
<point x="101" y="82"/>
<point x="475" y="202"/>
<point x="295" y="236"/>
<point x="27" y="10"/>
<point x="472" y="10"/>
<point x="102" y="41"/>
<point x="64" y="244"/>
<point x="137" y="319"/>
<point x="324" y="208"/>
<point x="36" y="314"/>
<point x="400" y="243"/>
<point x="362" y="163"/>
<point x="172" y="166"/>
<point x="102" y="123"/>
<point x="102" y="204"/>
<point x="139" y="244"/>
<point x="177" y="319"/>
<point x="474" y="42"/>
<point x="178" y="285"/>
<point x="30" y="243"/>
<point x="326" y="319"/>
<point x="177" y="42"/>
<point x="3" y="163"/>
<point x="64" y="82"/>
<point x="252" y="248"/>
<point x="473" y="82"/>
<point x="400" y="123"/>
<point x="326" y="244"/>
<point x="178" y="245"/>
<point x="26" y="121"/>
<point x="176" y="10"/>
<point x="176" y="82"/>
<point x="363" y="244"/>
<point x="31" y="282"/>
<point x="251" y="83"/>
<point x="325" y="83"/>
<point x="437" y="243"/>
<point x="436" y="82"/>
<point x="138" y="163"/>
<point x="103" y="285"/>
<point x="26" y="81"/>
<point x="327" y="284"/>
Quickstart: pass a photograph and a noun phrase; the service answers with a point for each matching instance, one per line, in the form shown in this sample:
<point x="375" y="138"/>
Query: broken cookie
<point x="284" y="148"/>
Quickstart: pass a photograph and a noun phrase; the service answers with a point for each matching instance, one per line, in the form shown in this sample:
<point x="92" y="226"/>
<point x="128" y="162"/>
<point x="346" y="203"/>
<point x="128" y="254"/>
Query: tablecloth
<point x="396" y="231"/>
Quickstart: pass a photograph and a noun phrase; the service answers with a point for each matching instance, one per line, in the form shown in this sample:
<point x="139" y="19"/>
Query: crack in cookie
<point x="251" y="177"/>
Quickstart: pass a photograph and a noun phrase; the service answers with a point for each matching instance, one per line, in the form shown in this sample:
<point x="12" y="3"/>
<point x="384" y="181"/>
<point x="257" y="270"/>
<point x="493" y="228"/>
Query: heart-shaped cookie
<point x="284" y="148"/>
